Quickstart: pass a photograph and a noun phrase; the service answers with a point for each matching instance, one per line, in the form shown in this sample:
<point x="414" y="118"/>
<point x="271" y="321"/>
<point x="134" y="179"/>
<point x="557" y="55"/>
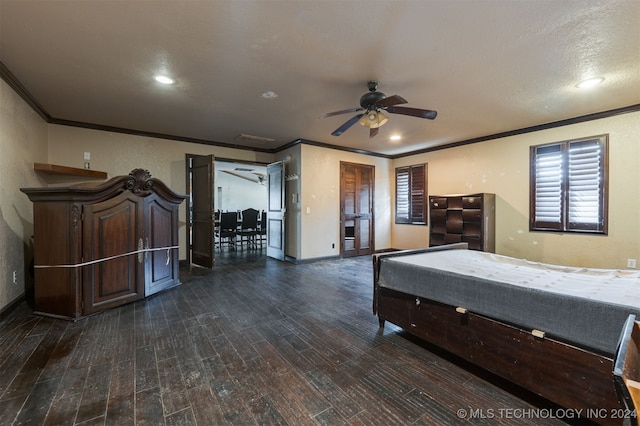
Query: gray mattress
<point x="566" y="311"/>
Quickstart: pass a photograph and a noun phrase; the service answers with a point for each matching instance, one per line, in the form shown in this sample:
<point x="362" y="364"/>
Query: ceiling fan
<point x="374" y="103"/>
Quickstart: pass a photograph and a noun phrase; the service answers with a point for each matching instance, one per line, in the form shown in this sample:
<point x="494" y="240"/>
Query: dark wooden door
<point x="112" y="233"/>
<point x="161" y="238"/>
<point x="276" y="210"/>
<point x="201" y="231"/>
<point x="356" y="209"/>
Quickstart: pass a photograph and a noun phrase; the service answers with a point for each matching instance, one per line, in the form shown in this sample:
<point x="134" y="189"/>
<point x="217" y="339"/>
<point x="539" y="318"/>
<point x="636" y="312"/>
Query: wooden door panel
<point x="276" y="210"/>
<point x="350" y="200"/>
<point x="365" y="192"/>
<point x="202" y="225"/>
<point x="161" y="232"/>
<point x="356" y="207"/>
<point x="364" y="240"/>
<point x="111" y="236"/>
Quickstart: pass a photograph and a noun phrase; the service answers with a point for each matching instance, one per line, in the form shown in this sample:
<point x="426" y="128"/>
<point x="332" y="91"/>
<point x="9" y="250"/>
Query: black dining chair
<point x="262" y="230"/>
<point x="228" y="229"/>
<point x="249" y="227"/>
<point x="216" y="228"/>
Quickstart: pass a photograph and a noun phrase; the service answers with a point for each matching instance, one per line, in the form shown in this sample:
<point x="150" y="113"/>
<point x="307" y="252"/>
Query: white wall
<point x="234" y="193"/>
<point x="501" y="166"/>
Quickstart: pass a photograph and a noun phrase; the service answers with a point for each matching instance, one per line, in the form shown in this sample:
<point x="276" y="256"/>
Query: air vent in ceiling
<point x="250" y="138"/>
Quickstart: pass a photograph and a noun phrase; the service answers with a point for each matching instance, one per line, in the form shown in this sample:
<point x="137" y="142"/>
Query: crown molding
<point x="15" y="84"/>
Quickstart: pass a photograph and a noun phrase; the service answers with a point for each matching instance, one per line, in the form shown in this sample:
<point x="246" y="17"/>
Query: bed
<point x="550" y="329"/>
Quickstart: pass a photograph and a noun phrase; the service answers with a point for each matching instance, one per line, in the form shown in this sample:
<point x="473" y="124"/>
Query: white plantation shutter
<point x="548" y="187"/>
<point x="585" y="185"/>
<point x="411" y="194"/>
<point x="418" y="196"/>
<point x="568" y="189"/>
<point x="402" y="195"/>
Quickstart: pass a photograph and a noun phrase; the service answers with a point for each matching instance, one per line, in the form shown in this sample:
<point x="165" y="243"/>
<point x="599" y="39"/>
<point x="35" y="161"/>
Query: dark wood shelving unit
<point x="463" y="218"/>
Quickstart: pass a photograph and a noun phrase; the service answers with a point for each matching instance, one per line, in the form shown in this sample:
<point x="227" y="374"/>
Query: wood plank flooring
<point x="254" y="342"/>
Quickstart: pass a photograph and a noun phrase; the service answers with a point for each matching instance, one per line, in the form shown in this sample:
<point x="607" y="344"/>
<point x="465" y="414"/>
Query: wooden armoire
<point x="98" y="246"/>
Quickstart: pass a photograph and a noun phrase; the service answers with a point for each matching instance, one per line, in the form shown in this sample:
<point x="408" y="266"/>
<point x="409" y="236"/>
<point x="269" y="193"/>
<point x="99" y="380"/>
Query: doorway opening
<point x="221" y="188"/>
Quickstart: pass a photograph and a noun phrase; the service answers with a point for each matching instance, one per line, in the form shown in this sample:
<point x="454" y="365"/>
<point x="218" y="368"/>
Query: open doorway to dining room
<point x="220" y="189"/>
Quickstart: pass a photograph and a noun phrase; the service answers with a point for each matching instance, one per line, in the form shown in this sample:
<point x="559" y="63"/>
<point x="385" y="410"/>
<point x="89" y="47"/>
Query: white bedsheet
<point x="620" y="287"/>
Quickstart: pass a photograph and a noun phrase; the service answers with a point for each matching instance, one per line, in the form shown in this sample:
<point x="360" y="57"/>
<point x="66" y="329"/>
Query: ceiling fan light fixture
<point x="373" y="119"/>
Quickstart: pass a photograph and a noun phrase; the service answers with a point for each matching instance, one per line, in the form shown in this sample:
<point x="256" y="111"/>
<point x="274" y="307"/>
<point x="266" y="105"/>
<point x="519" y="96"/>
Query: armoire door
<point x="356" y="209"/>
<point x="112" y="233"/>
<point x="161" y="238"/>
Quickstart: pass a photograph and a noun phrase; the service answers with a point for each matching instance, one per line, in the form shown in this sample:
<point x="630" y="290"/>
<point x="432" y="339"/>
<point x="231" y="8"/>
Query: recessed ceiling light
<point x="163" y="79"/>
<point x="590" y="82"/>
<point x="395" y="137"/>
<point x="269" y="95"/>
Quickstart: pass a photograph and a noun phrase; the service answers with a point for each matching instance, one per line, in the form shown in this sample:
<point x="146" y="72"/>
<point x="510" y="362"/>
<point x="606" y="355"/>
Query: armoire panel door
<point x="161" y="237"/>
<point x="112" y="233"/>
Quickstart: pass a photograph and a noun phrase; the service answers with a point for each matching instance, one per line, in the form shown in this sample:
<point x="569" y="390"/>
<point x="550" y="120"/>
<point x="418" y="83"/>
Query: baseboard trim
<point x="310" y="260"/>
<point x="4" y="312"/>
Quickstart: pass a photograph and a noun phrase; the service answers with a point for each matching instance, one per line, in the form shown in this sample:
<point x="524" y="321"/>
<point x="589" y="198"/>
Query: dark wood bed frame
<point x="569" y="376"/>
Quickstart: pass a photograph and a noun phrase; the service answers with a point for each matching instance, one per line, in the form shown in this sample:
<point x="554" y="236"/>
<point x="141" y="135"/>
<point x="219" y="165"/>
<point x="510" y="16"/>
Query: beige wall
<point x="320" y="189"/>
<point x="502" y="166"/>
<point x="499" y="166"/>
<point x="118" y="154"/>
<point x="23" y="141"/>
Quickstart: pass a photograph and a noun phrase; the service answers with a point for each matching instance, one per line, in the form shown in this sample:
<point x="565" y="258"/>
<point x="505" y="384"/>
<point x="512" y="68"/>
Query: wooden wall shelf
<point x="52" y="169"/>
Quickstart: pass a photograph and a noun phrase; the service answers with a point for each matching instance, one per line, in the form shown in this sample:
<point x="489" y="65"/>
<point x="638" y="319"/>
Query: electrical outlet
<point x="15" y="277"/>
<point x="631" y="263"/>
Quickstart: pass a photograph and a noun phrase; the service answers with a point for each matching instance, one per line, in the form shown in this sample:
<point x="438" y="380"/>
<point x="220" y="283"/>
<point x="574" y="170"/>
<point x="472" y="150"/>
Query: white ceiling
<point x="486" y="66"/>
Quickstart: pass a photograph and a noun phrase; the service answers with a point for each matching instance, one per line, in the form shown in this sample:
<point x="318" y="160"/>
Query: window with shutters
<point x="569" y="186"/>
<point x="411" y="194"/>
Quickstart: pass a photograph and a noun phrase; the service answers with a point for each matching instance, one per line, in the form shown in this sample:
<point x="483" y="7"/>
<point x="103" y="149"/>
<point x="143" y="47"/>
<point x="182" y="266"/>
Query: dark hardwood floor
<point x="255" y="341"/>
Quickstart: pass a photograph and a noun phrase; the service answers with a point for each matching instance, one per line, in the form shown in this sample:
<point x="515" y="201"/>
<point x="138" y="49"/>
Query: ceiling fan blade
<point x="391" y="100"/>
<point x="373" y="131"/>
<point x="414" y="112"/>
<point x="340" y="130"/>
<point x="344" y="111"/>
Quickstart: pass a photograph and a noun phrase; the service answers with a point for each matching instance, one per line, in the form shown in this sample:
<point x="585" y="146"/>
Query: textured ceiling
<point x="486" y="66"/>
